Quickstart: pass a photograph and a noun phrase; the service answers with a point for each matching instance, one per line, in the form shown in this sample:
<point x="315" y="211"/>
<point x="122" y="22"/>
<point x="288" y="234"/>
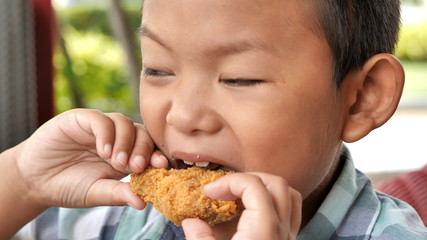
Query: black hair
<point x="356" y="30"/>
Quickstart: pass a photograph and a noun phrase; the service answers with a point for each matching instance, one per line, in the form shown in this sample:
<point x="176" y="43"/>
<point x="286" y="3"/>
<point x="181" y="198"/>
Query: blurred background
<point x="97" y="56"/>
<point x="97" y="61"/>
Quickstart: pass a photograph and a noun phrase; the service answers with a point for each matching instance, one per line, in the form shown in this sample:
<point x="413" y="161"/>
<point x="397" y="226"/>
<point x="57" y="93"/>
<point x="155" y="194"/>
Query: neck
<point x="312" y="203"/>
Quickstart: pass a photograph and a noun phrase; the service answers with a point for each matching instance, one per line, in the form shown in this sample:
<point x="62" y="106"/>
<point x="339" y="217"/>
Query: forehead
<point x="225" y="18"/>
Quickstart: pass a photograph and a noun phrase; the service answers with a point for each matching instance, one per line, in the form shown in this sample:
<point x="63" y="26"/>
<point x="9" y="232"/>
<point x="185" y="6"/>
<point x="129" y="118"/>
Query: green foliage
<point x="415" y="2"/>
<point x="85" y="19"/>
<point x="413" y="42"/>
<point x="416" y="76"/>
<point x="98" y="63"/>
<point x="97" y="19"/>
<point x="99" y="69"/>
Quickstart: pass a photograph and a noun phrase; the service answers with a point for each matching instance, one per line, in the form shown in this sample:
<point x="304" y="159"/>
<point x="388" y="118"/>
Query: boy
<point x="267" y="88"/>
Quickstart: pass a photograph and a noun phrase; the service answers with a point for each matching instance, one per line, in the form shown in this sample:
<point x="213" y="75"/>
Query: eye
<point x="241" y="82"/>
<point x="148" y="72"/>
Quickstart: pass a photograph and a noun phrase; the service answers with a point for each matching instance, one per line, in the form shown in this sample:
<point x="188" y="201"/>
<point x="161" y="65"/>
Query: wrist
<point x="18" y="207"/>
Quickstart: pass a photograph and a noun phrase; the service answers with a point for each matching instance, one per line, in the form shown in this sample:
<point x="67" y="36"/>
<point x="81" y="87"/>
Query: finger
<point x="296" y="215"/>
<point x="142" y="151"/>
<point x="109" y="192"/>
<point x="97" y="129"/>
<point x="124" y="140"/>
<point x="158" y="160"/>
<point x="280" y="192"/>
<point x="259" y="214"/>
<point x="287" y="202"/>
<point x="196" y="229"/>
<point x="239" y="185"/>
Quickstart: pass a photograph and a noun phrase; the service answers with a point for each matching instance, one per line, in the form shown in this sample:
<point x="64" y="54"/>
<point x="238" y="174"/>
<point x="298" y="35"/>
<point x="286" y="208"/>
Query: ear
<point x="371" y="95"/>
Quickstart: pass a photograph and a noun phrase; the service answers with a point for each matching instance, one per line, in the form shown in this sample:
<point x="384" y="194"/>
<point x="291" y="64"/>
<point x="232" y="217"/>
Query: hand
<point x="78" y="158"/>
<point x="272" y="208"/>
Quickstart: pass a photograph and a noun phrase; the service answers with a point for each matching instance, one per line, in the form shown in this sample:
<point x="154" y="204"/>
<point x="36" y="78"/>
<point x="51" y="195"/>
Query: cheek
<point x="296" y="143"/>
<point x="315" y="145"/>
<point x="152" y="108"/>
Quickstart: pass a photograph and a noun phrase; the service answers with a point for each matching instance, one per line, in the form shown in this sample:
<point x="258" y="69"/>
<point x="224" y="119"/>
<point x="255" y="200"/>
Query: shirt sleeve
<point x="63" y="223"/>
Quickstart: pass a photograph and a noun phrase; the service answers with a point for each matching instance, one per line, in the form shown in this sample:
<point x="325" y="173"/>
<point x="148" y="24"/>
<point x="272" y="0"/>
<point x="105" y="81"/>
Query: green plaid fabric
<point x="354" y="210"/>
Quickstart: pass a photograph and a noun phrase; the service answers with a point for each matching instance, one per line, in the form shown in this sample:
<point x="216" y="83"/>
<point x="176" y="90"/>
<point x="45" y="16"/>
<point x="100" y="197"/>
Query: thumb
<point x="196" y="229"/>
<point x="109" y="192"/>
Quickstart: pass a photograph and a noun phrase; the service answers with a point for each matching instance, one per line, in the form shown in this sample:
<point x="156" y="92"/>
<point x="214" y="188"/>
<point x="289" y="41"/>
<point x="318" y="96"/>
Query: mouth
<point x="184" y="161"/>
<point x="182" y="164"/>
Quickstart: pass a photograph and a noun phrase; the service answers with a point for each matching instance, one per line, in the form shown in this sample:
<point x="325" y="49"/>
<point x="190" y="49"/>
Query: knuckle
<point x="254" y="179"/>
<point x="140" y="126"/>
<point x="144" y="148"/>
<point x="119" y="116"/>
<point x="144" y="142"/>
<point x="297" y="196"/>
<point x="282" y="182"/>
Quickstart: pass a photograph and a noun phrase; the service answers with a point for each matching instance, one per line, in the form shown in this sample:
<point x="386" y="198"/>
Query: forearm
<point x="16" y="208"/>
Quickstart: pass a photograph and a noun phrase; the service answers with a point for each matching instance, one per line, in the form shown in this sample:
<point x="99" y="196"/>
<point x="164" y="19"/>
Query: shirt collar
<point x="331" y="215"/>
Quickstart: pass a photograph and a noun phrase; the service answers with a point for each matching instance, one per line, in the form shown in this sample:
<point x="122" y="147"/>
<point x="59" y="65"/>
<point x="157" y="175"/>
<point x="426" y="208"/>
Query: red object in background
<point x="44" y="22"/>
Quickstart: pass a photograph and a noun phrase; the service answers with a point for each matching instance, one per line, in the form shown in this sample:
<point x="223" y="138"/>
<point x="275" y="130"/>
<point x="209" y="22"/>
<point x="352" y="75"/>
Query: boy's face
<point x="244" y="83"/>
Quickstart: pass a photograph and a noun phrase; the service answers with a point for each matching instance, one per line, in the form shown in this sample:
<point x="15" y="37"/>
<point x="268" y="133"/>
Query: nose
<point x="192" y="110"/>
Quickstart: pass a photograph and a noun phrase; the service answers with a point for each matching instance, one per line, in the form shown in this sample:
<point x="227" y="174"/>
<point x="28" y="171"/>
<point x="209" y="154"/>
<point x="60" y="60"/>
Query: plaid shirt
<point x="352" y="210"/>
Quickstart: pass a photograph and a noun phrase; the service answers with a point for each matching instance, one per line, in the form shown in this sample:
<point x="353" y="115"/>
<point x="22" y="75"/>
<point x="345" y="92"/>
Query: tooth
<point x="202" y="164"/>
<point x="188" y="163"/>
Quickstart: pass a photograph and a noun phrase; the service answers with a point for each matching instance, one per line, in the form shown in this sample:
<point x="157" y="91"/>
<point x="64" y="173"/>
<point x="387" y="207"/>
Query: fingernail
<point x="161" y="158"/>
<point x="107" y="149"/>
<point x="159" y="161"/>
<point x="122" y="158"/>
<point x="140" y="161"/>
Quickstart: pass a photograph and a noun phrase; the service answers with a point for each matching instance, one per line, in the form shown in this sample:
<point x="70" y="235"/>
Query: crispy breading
<point x="178" y="194"/>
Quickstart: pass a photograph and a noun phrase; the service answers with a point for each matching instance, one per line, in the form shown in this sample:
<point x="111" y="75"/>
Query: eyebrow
<point x="146" y="32"/>
<point x="224" y="48"/>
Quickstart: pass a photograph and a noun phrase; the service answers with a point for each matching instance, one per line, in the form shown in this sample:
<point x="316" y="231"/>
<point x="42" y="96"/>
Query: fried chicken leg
<point x="178" y="194"/>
